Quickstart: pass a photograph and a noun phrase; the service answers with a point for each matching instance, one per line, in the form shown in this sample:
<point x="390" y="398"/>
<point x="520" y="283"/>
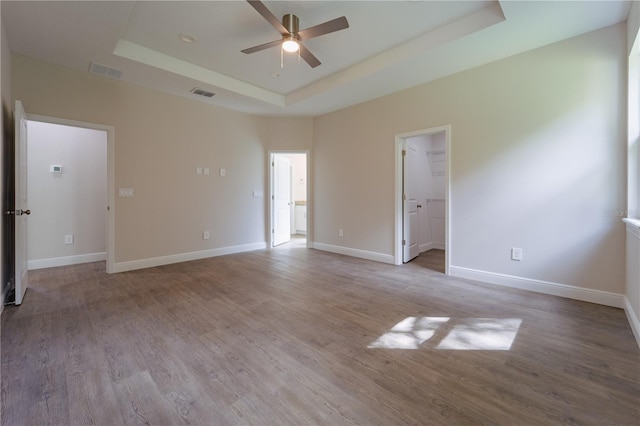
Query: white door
<point x="281" y="200"/>
<point x="21" y="210"/>
<point x="410" y="204"/>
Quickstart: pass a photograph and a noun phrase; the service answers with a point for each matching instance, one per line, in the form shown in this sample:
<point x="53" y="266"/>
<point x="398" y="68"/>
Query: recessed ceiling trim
<point x="135" y="52"/>
<point x="472" y="23"/>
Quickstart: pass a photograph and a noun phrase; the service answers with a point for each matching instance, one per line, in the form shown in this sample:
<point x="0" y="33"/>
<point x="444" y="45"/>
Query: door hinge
<point x="273" y="164"/>
<point x="404" y="242"/>
<point x="404" y="152"/>
<point x="404" y="197"/>
<point x="273" y="197"/>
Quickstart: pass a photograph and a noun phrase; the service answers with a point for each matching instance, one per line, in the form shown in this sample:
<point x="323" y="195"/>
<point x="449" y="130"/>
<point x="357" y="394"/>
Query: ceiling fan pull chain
<point x="281" y="58"/>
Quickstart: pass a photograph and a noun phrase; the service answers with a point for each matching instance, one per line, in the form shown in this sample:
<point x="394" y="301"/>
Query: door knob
<point x="17" y="212"/>
<point x="419" y="206"/>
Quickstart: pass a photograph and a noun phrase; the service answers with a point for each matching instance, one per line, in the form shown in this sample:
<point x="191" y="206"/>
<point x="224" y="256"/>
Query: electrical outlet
<point x="125" y="192"/>
<point x="205" y="235"/>
<point x="68" y="239"/>
<point x="340" y="232"/>
<point x="516" y="254"/>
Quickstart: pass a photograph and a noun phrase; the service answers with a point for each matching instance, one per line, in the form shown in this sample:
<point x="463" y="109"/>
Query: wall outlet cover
<point x="516" y="254"/>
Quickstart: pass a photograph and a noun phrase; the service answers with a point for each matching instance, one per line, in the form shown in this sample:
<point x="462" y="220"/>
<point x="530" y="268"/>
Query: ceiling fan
<point x="292" y="37"/>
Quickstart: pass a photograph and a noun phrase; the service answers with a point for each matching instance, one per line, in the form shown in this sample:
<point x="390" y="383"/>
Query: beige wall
<point x="160" y="139"/>
<point x="538" y="149"/>
<point x="538" y="159"/>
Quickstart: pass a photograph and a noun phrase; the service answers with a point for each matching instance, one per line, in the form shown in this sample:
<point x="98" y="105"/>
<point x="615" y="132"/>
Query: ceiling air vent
<point x="202" y="92"/>
<point x="105" y="71"/>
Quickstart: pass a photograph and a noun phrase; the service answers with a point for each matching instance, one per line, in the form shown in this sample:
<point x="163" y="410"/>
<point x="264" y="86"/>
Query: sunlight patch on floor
<point x="495" y="334"/>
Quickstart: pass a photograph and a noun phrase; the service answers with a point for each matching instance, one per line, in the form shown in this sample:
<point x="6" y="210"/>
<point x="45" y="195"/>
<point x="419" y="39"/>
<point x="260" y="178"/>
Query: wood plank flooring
<point x="296" y="336"/>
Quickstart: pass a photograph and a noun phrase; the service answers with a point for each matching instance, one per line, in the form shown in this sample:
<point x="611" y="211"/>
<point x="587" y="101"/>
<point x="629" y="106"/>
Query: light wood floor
<point x="293" y="336"/>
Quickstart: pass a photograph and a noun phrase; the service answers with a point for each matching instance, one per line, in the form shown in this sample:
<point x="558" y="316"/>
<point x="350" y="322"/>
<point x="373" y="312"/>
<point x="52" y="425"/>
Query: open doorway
<point x="70" y="177"/>
<point x="288" y="198"/>
<point x="422" y="198"/>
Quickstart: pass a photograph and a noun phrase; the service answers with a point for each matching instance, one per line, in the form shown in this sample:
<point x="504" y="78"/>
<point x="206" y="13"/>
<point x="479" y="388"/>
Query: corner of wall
<point x="5" y="123"/>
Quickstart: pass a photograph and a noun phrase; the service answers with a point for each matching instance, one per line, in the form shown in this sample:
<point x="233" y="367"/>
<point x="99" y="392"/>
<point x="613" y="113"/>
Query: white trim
<point x="399" y="140"/>
<point x="270" y="159"/>
<point x="633" y="319"/>
<point x="186" y="257"/>
<point x="431" y="246"/>
<point x="425" y="247"/>
<point x="110" y="225"/>
<point x="633" y="226"/>
<point x="362" y="254"/>
<point x="66" y="260"/>
<point x="563" y="290"/>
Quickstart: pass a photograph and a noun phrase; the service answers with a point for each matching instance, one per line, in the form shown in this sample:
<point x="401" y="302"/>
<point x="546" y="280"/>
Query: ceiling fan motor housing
<point x="291" y="23"/>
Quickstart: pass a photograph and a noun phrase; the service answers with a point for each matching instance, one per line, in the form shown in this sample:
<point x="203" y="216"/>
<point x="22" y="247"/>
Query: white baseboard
<point x="430" y="246"/>
<point x="185" y="257"/>
<point x="362" y="254"/>
<point x="65" y="261"/>
<point x="425" y="247"/>
<point x="633" y="319"/>
<point x="563" y="290"/>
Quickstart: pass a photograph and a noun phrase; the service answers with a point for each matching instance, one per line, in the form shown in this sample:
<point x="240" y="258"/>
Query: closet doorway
<point x="422" y="195"/>
<point x="289" y="188"/>
<point x="70" y="180"/>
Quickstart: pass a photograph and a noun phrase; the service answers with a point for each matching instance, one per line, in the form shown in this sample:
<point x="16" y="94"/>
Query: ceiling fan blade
<point x="270" y="17"/>
<point x="255" y="49"/>
<point x="326" y="28"/>
<point x="308" y="56"/>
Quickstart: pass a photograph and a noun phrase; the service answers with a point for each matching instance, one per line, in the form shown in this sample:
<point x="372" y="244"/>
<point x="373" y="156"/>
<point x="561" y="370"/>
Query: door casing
<point x="20" y="271"/>
<point x="110" y="174"/>
<point x="270" y="204"/>
<point x="399" y="170"/>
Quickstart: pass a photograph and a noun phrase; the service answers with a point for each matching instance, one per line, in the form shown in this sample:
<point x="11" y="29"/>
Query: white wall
<point x="538" y="158"/>
<point x="299" y="167"/>
<point x="632" y="285"/>
<point x="160" y="139"/>
<point x="70" y="203"/>
<point x="434" y="196"/>
<point x="431" y="184"/>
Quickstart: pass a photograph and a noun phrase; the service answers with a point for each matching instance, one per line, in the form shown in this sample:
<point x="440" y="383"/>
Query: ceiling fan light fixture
<point x="290" y="44"/>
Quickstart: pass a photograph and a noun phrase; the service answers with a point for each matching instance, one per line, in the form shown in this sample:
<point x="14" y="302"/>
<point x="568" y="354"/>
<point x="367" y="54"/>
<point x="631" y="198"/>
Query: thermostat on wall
<point x="55" y="168"/>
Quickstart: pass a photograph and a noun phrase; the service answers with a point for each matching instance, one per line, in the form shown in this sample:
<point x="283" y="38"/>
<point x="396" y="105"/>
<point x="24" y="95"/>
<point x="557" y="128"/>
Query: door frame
<point x="399" y="140"/>
<point x="110" y="225"/>
<point x="270" y="204"/>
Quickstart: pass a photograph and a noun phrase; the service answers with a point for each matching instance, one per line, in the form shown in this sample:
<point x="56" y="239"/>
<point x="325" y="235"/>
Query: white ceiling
<point x="389" y="45"/>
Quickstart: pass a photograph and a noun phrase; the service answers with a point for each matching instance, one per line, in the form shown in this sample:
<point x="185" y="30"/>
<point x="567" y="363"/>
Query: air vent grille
<point x="202" y="92"/>
<point x="105" y="71"/>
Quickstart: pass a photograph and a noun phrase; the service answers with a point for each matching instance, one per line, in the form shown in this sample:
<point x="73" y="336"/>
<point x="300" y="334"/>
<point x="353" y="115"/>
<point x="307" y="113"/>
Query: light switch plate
<point x="125" y="192"/>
